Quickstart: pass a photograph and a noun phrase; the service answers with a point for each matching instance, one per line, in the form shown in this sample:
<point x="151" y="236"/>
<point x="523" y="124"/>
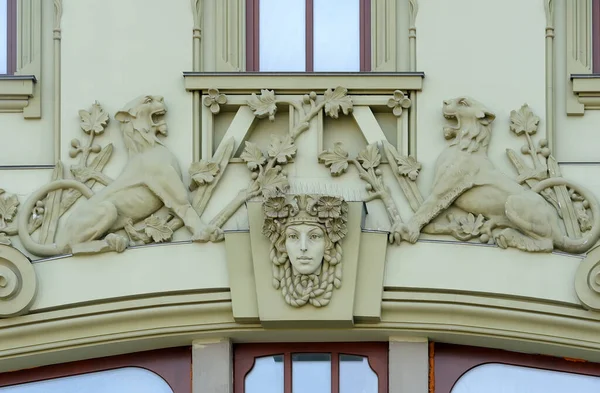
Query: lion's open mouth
<point x="454" y="122"/>
<point x="157" y="117"/>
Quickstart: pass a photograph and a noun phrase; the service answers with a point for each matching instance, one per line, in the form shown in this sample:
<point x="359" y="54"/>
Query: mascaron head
<point x="305" y="231"/>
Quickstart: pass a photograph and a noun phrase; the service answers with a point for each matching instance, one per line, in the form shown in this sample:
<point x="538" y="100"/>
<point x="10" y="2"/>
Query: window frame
<point x="253" y="35"/>
<point x="174" y="365"/>
<point x="451" y="362"/>
<point x="375" y="352"/>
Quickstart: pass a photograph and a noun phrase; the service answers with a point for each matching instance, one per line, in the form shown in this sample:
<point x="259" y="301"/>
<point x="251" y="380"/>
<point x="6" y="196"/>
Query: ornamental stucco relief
<point x="539" y="211"/>
<point x="305" y="233"/>
<point x="150" y="180"/>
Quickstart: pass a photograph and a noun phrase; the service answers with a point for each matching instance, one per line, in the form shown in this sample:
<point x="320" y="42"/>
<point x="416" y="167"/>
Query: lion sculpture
<point x="150" y="180"/>
<point x="466" y="178"/>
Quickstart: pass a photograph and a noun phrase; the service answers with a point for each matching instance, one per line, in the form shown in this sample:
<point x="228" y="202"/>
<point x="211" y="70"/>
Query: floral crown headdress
<point x="330" y="212"/>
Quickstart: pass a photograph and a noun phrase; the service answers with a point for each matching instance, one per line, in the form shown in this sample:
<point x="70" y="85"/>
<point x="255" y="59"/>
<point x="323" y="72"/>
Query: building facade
<point x="300" y="195"/>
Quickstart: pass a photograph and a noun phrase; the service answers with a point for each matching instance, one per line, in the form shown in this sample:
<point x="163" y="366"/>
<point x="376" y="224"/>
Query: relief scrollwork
<point x="18" y="282"/>
<point x="405" y="168"/>
<point x="126" y="210"/>
<point x="587" y="280"/>
<point x="539" y="211"/>
<point x="527" y="213"/>
<point x="306" y="233"/>
<point x="268" y="176"/>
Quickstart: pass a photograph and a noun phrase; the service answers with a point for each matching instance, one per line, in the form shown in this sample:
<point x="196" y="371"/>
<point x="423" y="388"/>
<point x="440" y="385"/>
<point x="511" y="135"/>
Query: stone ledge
<point x="587" y="89"/>
<point x="15" y="92"/>
<point x="302" y="82"/>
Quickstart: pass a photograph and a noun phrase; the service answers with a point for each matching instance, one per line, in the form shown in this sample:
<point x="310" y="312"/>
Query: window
<point x="314" y="368"/>
<point x="161" y="371"/>
<point x="460" y="369"/>
<point x="8" y="36"/>
<point x="120" y="380"/>
<point x="582" y="55"/>
<point x="308" y="35"/>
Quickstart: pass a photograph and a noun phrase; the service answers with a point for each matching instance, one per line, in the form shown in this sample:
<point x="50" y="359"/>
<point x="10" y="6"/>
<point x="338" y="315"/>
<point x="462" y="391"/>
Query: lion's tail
<point x="45" y="250"/>
<point x="565" y="243"/>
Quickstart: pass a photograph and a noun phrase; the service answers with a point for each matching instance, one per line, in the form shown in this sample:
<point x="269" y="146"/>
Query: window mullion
<point x="309" y="36"/>
<point x="287" y="372"/>
<point x="335" y="372"/>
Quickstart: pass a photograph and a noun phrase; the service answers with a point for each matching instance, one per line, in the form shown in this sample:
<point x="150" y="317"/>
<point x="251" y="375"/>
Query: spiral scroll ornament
<point x="18" y="282"/>
<point x="587" y="280"/>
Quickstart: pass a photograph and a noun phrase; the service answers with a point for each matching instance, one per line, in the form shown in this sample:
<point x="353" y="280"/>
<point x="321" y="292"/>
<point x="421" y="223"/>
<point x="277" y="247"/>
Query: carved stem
<point x="303" y="124"/>
<point x="532" y="152"/>
<point x="86" y="150"/>
<point x="233" y="206"/>
<point x="379" y="191"/>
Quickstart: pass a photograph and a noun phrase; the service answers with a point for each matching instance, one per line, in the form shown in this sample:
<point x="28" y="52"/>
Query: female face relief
<point x="305" y="245"/>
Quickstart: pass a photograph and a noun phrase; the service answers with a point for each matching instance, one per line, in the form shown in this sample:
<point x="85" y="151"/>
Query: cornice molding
<point x="294" y="82"/>
<point x="16" y="92"/>
<point x="167" y="320"/>
<point x="587" y="89"/>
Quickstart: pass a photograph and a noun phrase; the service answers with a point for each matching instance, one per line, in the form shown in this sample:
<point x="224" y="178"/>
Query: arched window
<point x="161" y="371"/>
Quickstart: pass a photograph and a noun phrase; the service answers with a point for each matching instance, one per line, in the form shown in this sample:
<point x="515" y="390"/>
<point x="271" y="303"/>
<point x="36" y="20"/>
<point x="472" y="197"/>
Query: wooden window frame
<point x="596" y="36"/>
<point x="174" y="365"/>
<point x="451" y="362"/>
<point x="253" y="38"/>
<point x="11" y="37"/>
<point x="245" y="355"/>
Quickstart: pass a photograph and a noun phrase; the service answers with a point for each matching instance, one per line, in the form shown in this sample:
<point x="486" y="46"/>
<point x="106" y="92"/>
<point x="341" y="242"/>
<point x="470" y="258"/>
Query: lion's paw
<point x="209" y="233"/>
<point x="401" y="231"/>
<point x="116" y="242"/>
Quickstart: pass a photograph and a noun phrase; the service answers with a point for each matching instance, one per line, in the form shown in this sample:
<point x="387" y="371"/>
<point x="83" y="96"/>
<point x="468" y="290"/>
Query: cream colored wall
<point x="115" y="50"/>
<point x="492" y="51"/>
<point x="572" y="131"/>
<point x="32" y="141"/>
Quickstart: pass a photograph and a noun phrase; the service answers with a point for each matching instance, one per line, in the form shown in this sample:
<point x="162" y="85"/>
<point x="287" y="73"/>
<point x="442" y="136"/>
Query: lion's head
<point x="142" y="119"/>
<point x="472" y="123"/>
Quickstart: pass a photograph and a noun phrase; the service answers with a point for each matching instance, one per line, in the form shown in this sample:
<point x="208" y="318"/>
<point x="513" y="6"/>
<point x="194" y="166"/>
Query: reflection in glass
<point x="311" y="373"/>
<point x="356" y="376"/>
<point x="503" y="378"/>
<point x="123" y="380"/>
<point x="266" y="376"/>
<point x="282" y="35"/>
<point x="336" y="35"/>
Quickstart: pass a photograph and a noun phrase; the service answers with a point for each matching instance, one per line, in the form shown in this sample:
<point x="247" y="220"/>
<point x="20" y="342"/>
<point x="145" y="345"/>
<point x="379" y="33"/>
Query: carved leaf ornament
<point x="336" y="100"/>
<point x="369" y="157"/>
<point x="408" y="166"/>
<point x="203" y="172"/>
<point x="253" y="156"/>
<point x="157" y="229"/>
<point x="272" y="181"/>
<point x="336" y="159"/>
<point x="263" y="105"/>
<point x="94" y="121"/>
<point x="282" y="148"/>
<point x="8" y="208"/>
<point x="524" y="121"/>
